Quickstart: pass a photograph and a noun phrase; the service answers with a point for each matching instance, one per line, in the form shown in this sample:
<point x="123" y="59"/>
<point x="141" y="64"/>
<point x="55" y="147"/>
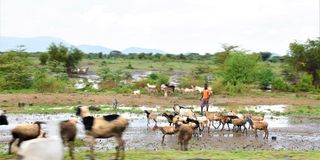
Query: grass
<point x="300" y="110"/>
<point x="54" y="109"/>
<point x="203" y="154"/>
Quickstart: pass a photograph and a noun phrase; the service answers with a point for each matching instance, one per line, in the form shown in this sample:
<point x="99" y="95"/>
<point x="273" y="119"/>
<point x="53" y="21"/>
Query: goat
<point x="50" y="148"/>
<point x="240" y="122"/>
<point x="114" y="104"/>
<point x="68" y="132"/>
<point x="203" y="121"/>
<point x="183" y="111"/>
<point x="254" y="118"/>
<point x="187" y="90"/>
<point x="136" y="92"/>
<point x="3" y="118"/>
<point x="259" y="125"/>
<point x="184" y="135"/>
<point x="169" y="117"/>
<point x="212" y="118"/>
<point x="25" y="132"/>
<point x="166" y="130"/>
<point x="226" y="119"/>
<point x="103" y="127"/>
<point x="151" y="86"/>
<point x="152" y="116"/>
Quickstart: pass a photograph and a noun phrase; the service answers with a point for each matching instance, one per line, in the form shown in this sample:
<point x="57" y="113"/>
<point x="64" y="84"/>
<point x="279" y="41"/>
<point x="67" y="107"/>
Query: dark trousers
<point x="204" y="102"/>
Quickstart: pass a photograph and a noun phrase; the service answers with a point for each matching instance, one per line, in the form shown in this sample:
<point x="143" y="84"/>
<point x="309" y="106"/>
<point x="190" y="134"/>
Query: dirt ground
<point x="131" y="100"/>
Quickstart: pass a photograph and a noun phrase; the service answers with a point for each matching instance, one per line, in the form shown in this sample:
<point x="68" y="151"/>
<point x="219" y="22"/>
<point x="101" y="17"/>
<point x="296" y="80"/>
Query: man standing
<point x="205" y="95"/>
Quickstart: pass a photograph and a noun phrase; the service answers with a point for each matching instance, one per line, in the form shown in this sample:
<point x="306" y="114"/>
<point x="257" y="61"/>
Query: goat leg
<point x="71" y="149"/>
<point x="10" y="145"/>
<point x="163" y="138"/>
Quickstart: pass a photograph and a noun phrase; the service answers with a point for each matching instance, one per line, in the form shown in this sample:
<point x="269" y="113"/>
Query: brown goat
<point x="212" y="118"/>
<point x="166" y="130"/>
<point x="261" y="125"/>
<point x="169" y="117"/>
<point x="24" y="132"/>
<point x="184" y="135"/>
<point x="68" y="131"/>
<point x="151" y="116"/>
<point x="239" y="123"/>
<point x="226" y="119"/>
<point x="255" y="118"/>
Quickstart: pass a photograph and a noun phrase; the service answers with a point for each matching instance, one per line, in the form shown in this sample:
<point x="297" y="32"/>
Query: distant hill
<point x="41" y="44"/>
<point x="93" y="49"/>
<point x="141" y="50"/>
<point x="32" y="44"/>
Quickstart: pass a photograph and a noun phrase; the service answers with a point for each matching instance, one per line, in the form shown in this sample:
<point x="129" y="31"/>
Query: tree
<point x="220" y="57"/>
<point x="15" y="72"/>
<point x="43" y="58"/>
<point x="61" y="55"/>
<point x="265" y="55"/>
<point x="306" y="57"/>
<point x="100" y="55"/>
<point x="239" y="68"/>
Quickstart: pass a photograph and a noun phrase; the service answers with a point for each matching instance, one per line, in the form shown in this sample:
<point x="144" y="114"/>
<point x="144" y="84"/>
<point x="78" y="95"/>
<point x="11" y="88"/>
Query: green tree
<point x="306" y="57"/>
<point x="43" y="58"/>
<point x="265" y="55"/>
<point x="265" y="76"/>
<point x="15" y="72"/>
<point x="239" y="68"/>
<point x="61" y="55"/>
<point x="220" y="57"/>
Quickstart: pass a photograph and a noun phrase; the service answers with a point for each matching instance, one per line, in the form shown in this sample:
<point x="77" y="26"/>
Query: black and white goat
<point x="3" y="118"/>
<point x="103" y="127"/>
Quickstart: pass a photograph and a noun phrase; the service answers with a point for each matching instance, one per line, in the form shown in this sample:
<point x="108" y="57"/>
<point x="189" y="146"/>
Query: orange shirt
<point x="206" y="94"/>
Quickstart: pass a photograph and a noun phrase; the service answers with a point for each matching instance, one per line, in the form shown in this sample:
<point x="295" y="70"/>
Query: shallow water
<point x="292" y="133"/>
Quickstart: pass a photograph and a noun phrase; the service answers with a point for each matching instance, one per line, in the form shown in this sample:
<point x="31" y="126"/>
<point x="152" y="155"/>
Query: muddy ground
<point x="131" y="100"/>
<point x="292" y="133"/>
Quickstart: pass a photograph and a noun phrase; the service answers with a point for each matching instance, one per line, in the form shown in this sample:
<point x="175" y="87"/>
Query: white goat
<point x="50" y="148"/>
<point x="136" y="92"/>
<point x="151" y="86"/>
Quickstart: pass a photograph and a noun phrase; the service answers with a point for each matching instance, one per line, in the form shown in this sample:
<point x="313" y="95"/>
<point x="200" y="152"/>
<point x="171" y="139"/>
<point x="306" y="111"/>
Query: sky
<point x="174" y="26"/>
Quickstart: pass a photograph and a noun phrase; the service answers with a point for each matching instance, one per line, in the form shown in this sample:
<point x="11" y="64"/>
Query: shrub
<point x="108" y="84"/>
<point x="265" y="76"/>
<point x="43" y="83"/>
<point x="157" y="78"/>
<point x="279" y="84"/>
<point x="239" y="68"/>
<point x="305" y="83"/>
<point x="218" y="85"/>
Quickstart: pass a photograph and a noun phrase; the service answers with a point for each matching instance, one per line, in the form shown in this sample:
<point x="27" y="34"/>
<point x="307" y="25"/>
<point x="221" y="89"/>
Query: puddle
<point x="293" y="133"/>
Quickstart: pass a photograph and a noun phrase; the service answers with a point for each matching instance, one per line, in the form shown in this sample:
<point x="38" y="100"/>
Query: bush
<point x="239" y="88"/>
<point x="157" y="78"/>
<point x="108" y="84"/>
<point x="129" y="66"/>
<point x="218" y="86"/>
<point x="15" y="71"/>
<point x="265" y="76"/>
<point x="49" y="84"/>
<point x="279" y="84"/>
<point x="305" y="83"/>
<point x="239" y="68"/>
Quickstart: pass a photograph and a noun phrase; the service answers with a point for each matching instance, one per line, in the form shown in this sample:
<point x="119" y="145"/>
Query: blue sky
<point x="174" y="26"/>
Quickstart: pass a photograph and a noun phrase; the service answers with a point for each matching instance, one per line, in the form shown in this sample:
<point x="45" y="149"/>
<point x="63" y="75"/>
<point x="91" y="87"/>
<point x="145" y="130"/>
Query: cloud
<point x="174" y="26"/>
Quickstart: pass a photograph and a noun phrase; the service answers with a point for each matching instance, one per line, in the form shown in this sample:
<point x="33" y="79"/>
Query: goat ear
<point x="78" y="111"/>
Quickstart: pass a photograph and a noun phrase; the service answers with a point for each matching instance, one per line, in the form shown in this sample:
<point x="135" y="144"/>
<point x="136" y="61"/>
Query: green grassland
<point x="196" y="154"/>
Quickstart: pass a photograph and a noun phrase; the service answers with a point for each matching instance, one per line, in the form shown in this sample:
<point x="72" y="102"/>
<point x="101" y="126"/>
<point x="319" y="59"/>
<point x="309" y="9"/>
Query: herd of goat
<point x="30" y="139"/>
